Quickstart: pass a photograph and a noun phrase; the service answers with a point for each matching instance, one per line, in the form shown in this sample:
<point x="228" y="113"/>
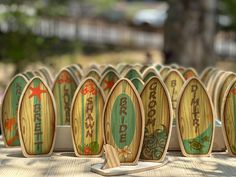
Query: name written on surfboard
<point x="66" y="99"/>
<point x="37" y="126"/>
<point x="173" y="100"/>
<point x="123" y="114"/>
<point x="152" y="105"/>
<point x="195" y="108"/>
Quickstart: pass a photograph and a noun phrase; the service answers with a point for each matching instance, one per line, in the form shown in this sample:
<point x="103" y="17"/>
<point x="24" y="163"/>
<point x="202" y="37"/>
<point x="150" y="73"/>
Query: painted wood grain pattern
<point x="224" y="87"/>
<point x="149" y="72"/>
<point x="29" y="74"/>
<point x="63" y="90"/>
<point x="132" y="73"/>
<point x="205" y="73"/>
<point x="158" y="120"/>
<point x="108" y="68"/>
<point x="37" y="119"/>
<point x="137" y="66"/>
<point x="138" y="84"/>
<point x="195" y="119"/>
<point x="164" y="70"/>
<point x="124" y="121"/>
<point x="221" y="90"/>
<point x="211" y="78"/>
<point x="174" y="82"/>
<point x="174" y="66"/>
<point x="108" y="80"/>
<point x="47" y="74"/>
<point x="189" y="73"/>
<point x="76" y="71"/>
<point x="111" y="157"/>
<point x="9" y="109"/>
<point x="143" y="68"/>
<point x="86" y="119"/>
<point x="181" y="69"/>
<point x="228" y="115"/>
<point x="119" y="67"/>
<point x="210" y="74"/>
<point x="93" y="73"/>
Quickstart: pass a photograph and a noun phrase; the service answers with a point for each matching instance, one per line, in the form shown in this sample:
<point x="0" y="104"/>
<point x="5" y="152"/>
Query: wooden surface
<point x="37" y="119"/>
<point x="86" y="118"/>
<point x="195" y="119"/>
<point x="138" y="83"/>
<point x="63" y="90"/>
<point x="93" y="73"/>
<point x="158" y="120"/>
<point x="149" y="72"/>
<point x="228" y="117"/>
<point x="10" y="105"/>
<point x="65" y="164"/>
<point x="124" y="121"/>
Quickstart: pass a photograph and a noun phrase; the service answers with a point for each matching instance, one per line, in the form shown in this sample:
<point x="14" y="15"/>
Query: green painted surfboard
<point x="132" y="73"/>
<point x="93" y="73"/>
<point x="124" y="121"/>
<point x="174" y="82"/>
<point x="158" y="120"/>
<point x="195" y="119"/>
<point x="108" y="68"/>
<point x="86" y="119"/>
<point x="158" y="67"/>
<point x="63" y="90"/>
<point x="29" y="74"/>
<point x="37" y="119"/>
<point x="10" y="105"/>
<point x="78" y="73"/>
<point x="108" y="80"/>
<point x="228" y="117"/>
<point x="138" y="84"/>
<point x="148" y="73"/>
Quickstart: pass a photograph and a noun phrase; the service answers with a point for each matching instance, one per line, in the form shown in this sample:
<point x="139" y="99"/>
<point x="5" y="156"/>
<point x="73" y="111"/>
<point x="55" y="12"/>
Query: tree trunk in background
<point x="189" y="33"/>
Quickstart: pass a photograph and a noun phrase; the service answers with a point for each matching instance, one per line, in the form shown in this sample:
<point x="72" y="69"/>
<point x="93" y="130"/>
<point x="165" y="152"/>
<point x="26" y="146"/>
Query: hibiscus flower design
<point x="124" y="152"/>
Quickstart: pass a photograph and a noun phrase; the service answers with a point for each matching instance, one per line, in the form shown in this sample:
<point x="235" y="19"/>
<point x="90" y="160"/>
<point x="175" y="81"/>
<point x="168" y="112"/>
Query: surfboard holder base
<point x="124" y="170"/>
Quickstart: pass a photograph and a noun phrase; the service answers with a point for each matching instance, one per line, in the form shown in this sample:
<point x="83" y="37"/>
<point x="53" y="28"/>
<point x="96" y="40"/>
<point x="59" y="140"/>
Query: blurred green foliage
<point x="229" y="8"/>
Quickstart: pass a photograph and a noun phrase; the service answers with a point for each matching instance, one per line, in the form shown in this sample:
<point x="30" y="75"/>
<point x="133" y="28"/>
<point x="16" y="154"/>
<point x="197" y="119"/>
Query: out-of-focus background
<point x="56" y="33"/>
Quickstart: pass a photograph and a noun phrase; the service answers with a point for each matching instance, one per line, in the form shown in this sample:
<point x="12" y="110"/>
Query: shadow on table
<point x="68" y="154"/>
<point x="16" y="155"/>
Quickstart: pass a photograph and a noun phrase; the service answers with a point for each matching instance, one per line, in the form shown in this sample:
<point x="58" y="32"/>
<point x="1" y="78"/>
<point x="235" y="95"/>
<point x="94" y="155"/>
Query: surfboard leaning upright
<point x="124" y="121"/>
<point x="86" y="119"/>
<point x="37" y="119"/>
<point x="195" y="119"/>
<point x="158" y="120"/>
<point x="10" y="105"/>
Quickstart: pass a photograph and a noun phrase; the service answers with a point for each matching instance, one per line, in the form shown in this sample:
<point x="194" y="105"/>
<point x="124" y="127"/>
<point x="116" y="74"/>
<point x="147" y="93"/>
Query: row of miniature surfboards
<point x="137" y="123"/>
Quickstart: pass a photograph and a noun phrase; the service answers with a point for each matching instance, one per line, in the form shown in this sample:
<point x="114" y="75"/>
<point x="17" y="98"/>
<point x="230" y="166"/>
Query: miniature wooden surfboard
<point x="225" y="84"/>
<point x="138" y="83"/>
<point x="158" y="67"/>
<point x="181" y="69"/>
<point x="148" y="73"/>
<point x="125" y="69"/>
<point x="164" y="70"/>
<point x="93" y="73"/>
<point x="10" y="105"/>
<point x="63" y="90"/>
<point x="108" y="80"/>
<point x="174" y="66"/>
<point x="86" y="119"/>
<point x="143" y="68"/>
<point x="158" y="120"/>
<point x="132" y="73"/>
<point x="189" y="72"/>
<point x="29" y="75"/>
<point x="108" y="68"/>
<point x="124" y="121"/>
<point x="174" y="82"/>
<point x="94" y="67"/>
<point x="195" y="119"/>
<point x="205" y="73"/>
<point x="137" y="66"/>
<point x="37" y="119"/>
<point x="76" y="71"/>
<point x="111" y="157"/>
<point x="229" y="118"/>
<point x="211" y="76"/>
<point x="47" y="75"/>
<point x="120" y="67"/>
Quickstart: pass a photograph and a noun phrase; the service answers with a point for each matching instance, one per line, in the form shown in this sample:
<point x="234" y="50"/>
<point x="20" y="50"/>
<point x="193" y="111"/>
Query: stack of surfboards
<point x="130" y="107"/>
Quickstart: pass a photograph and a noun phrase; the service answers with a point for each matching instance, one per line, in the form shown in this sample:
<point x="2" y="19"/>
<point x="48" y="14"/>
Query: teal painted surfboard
<point x="148" y="73"/>
<point x="138" y="83"/>
<point x="133" y="73"/>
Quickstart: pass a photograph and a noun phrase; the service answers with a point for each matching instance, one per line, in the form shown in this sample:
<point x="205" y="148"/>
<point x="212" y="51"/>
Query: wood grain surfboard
<point x="174" y="82"/>
<point x="158" y="120"/>
<point x="63" y="91"/>
<point x="78" y="73"/>
<point x="47" y="74"/>
<point x="138" y="84"/>
<point x="124" y="121"/>
<point x="29" y="74"/>
<point x="181" y="69"/>
<point x="132" y="73"/>
<point x="86" y="119"/>
<point x="189" y="72"/>
<point x="37" y="119"/>
<point x="108" y="68"/>
<point x="10" y="105"/>
<point x="195" y="119"/>
<point x="228" y="117"/>
<point x="205" y="74"/>
<point x="108" y="80"/>
<point x="93" y="73"/>
<point x="164" y="70"/>
<point x="149" y="72"/>
<point x="221" y="90"/>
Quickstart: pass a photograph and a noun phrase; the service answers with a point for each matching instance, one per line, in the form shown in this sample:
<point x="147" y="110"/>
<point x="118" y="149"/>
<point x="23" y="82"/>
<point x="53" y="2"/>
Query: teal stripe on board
<point x="83" y="120"/>
<point x="200" y="144"/>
